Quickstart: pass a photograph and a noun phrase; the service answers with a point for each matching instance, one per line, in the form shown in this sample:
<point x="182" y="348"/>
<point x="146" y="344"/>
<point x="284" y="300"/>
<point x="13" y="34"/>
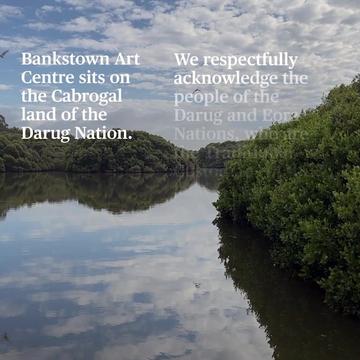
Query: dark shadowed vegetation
<point x="299" y="183"/>
<point x="146" y="153"/>
<point x="215" y="155"/>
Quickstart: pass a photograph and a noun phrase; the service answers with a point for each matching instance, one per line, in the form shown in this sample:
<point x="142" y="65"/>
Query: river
<point x="132" y="267"/>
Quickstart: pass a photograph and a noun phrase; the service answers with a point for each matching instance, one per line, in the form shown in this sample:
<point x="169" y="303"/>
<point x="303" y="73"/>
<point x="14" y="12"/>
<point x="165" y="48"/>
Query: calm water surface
<point x="132" y="268"/>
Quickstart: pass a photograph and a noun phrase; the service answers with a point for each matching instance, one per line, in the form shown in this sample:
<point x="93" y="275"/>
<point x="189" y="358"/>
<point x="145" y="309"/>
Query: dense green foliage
<point x="17" y="155"/>
<point x="145" y="153"/>
<point x="215" y="155"/>
<point x="299" y="182"/>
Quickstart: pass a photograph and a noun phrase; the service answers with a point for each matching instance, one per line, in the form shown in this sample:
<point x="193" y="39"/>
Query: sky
<point x="323" y="33"/>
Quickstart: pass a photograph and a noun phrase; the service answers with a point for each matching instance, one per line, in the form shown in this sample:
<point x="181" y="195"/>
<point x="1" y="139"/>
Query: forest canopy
<point x="145" y="153"/>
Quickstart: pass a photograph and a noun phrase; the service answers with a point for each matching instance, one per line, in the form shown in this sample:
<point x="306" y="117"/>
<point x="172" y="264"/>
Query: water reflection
<point x="99" y="285"/>
<point x="209" y="178"/>
<point x="123" y="267"/>
<point x="297" y="324"/>
<point x="113" y="192"/>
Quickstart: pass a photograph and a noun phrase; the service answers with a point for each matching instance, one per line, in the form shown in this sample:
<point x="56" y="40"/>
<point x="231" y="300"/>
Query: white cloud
<point x="324" y="34"/>
<point x="80" y="24"/>
<point x="40" y="26"/>
<point x="45" y="9"/>
<point x="102" y="5"/>
<point x="4" y="87"/>
<point x="345" y="3"/>
<point x="8" y="11"/>
<point x="20" y="43"/>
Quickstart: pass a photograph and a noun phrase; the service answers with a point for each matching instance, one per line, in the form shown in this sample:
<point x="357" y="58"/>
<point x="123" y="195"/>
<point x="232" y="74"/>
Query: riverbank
<point x="303" y="193"/>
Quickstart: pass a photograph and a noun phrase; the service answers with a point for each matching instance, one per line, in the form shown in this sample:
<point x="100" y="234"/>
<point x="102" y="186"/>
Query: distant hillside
<point x="145" y="153"/>
<point x="215" y="155"/>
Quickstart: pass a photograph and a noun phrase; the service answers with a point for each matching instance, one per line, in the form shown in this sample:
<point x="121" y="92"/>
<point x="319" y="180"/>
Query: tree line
<point x="145" y="153"/>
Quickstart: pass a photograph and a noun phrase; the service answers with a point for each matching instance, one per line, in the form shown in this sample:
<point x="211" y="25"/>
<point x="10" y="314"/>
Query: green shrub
<point x="299" y="183"/>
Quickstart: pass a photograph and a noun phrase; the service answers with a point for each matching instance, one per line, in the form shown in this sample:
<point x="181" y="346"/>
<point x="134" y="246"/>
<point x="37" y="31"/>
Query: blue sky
<point x="323" y="33"/>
